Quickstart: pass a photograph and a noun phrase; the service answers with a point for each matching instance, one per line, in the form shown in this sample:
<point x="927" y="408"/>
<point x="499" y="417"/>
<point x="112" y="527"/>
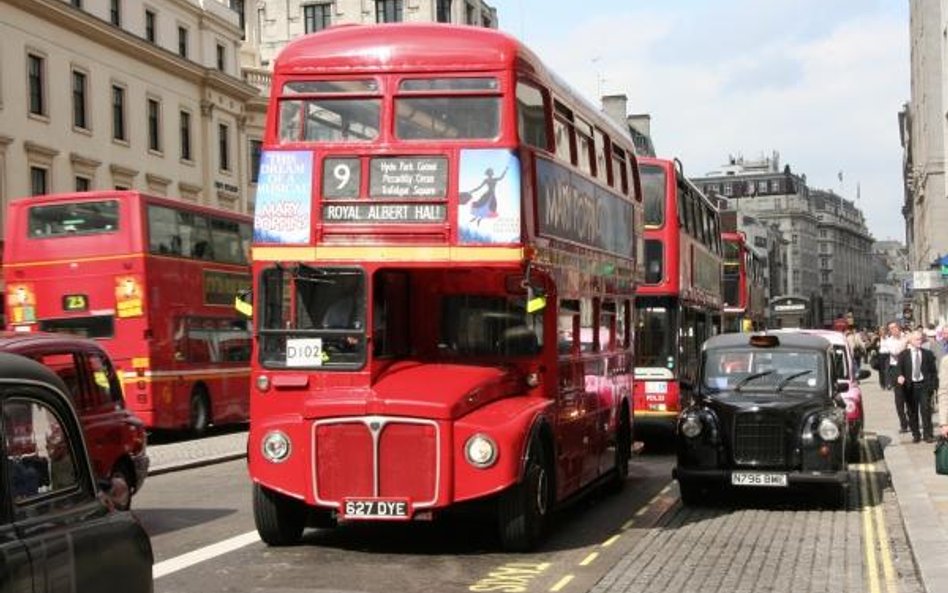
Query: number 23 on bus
<point x="431" y="329"/>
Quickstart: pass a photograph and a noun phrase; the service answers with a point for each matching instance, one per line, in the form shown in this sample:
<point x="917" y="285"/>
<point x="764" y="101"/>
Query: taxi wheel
<point x="200" y="417"/>
<point x="279" y="519"/>
<point x="524" y="508"/>
<point x="690" y="493"/>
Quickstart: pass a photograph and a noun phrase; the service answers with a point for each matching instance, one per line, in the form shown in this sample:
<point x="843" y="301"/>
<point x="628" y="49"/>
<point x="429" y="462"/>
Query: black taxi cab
<point x="59" y="529"/>
<point x="767" y="412"/>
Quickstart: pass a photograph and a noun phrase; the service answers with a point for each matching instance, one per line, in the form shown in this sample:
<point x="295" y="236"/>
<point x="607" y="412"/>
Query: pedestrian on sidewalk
<point x="918" y="377"/>
<point x="893" y="345"/>
<point x="882" y="358"/>
<point x="943" y="396"/>
<point x="856" y="346"/>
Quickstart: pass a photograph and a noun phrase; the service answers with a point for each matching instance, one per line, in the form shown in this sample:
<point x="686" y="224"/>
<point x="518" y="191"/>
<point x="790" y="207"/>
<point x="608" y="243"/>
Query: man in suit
<point x="918" y="377"/>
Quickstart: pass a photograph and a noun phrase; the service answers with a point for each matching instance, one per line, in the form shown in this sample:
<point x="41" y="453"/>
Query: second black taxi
<point x="767" y="413"/>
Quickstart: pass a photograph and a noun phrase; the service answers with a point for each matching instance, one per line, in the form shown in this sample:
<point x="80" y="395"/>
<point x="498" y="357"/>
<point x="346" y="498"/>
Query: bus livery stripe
<point x="389" y="253"/>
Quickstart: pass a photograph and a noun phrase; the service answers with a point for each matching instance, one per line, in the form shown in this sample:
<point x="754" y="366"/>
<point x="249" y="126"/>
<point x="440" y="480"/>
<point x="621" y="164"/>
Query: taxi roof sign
<point x="764" y="341"/>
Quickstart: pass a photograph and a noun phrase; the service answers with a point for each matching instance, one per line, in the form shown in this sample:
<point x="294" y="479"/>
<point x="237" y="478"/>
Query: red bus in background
<point x="745" y="299"/>
<point x="151" y="279"/>
<point x="678" y="306"/>
<point x="444" y="263"/>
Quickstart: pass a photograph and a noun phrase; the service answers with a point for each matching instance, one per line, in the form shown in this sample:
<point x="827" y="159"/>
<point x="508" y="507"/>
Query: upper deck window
<point x="330" y="119"/>
<point x="432" y="116"/>
<point x="653" y="186"/>
<point x="83" y="218"/>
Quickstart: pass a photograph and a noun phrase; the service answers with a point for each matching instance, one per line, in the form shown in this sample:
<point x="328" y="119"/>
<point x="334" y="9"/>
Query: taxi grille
<point x="758" y="440"/>
<point x="375" y="457"/>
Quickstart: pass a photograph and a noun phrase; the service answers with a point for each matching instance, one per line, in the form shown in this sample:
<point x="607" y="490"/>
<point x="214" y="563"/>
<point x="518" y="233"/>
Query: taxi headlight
<point x="275" y="446"/>
<point x="828" y="430"/>
<point x="691" y="426"/>
<point x="480" y="451"/>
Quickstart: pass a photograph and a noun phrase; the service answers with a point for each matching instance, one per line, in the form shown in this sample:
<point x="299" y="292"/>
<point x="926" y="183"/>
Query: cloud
<point x="820" y="84"/>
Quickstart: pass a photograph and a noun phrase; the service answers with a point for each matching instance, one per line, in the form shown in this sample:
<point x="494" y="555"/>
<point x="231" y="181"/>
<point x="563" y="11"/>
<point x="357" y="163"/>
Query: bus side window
<point x="567" y="327"/>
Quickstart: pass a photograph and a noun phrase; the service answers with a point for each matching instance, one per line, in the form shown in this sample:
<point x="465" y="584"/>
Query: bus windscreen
<point x="80" y="218"/>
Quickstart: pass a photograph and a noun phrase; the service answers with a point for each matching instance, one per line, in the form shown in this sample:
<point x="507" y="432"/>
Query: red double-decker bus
<point x="745" y="298"/>
<point x="678" y="306"/>
<point x="444" y="267"/>
<point x="153" y="280"/>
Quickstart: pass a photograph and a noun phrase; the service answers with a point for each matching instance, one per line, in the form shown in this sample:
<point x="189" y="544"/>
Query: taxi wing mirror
<point x="842" y="386"/>
<point x="243" y="303"/>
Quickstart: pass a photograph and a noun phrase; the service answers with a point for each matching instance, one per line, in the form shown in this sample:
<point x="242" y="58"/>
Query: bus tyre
<point x="279" y="519"/>
<point x="525" y="507"/>
<point x="623" y="452"/>
<point x="200" y="411"/>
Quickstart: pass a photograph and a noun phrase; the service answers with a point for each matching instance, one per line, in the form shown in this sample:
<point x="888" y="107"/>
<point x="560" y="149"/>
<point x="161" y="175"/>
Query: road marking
<point x="886" y="553"/>
<point x="183" y="561"/>
<point x="589" y="559"/>
<point x="641" y="511"/>
<point x="667" y="489"/>
<point x="611" y="540"/>
<point x="868" y="532"/>
<point x="513" y="577"/>
<point x="561" y="583"/>
<point x="628" y="524"/>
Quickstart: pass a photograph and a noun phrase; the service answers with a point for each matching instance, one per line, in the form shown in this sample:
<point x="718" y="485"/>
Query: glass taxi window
<point x="764" y="370"/>
<point x="39" y="458"/>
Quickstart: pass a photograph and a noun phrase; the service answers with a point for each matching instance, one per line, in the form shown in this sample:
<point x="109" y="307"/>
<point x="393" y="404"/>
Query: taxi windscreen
<point x="781" y="369"/>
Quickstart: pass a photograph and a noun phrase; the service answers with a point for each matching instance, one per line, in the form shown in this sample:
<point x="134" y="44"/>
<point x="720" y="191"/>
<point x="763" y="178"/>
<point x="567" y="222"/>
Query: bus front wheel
<point x="279" y="519"/>
<point x="523" y="509"/>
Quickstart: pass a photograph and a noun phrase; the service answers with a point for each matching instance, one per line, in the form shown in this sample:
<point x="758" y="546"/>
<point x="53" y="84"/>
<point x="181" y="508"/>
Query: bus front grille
<point x="376" y="457"/>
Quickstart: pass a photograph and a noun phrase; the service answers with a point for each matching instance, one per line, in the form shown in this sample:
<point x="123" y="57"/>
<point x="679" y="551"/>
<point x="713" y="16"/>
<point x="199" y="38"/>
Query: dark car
<point x="767" y="413"/>
<point x="115" y="436"/>
<point x="58" y="531"/>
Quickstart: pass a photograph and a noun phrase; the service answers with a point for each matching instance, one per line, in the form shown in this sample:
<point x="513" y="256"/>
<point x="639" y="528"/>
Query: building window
<point x="388" y="11"/>
<point x="223" y="147"/>
<point x="36" y="72"/>
<point x="238" y="7"/>
<point x="76" y="3"/>
<point x="39" y="181"/>
<point x="444" y="11"/>
<point x="118" y="113"/>
<point x="79" y="100"/>
<point x="150" y="26"/>
<point x="182" y="42"/>
<point x="115" y="12"/>
<point x="470" y="15"/>
<point x="221" y="55"/>
<point x="317" y="17"/>
<point x="185" y="136"/>
<point x="83" y="183"/>
<point x="154" y="125"/>
<point x="728" y="189"/>
<point x="256" y="149"/>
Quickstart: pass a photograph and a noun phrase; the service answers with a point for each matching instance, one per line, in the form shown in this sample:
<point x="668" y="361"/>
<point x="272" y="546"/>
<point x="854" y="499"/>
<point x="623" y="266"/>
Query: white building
<point x="101" y="94"/>
<point x="272" y="23"/>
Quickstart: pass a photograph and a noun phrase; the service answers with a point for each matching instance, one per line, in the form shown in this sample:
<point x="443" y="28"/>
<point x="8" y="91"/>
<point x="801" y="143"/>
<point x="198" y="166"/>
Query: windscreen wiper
<point x="749" y="378"/>
<point x="788" y="378"/>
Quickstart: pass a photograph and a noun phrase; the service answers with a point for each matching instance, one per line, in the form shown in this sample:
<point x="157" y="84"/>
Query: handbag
<point x="941" y="456"/>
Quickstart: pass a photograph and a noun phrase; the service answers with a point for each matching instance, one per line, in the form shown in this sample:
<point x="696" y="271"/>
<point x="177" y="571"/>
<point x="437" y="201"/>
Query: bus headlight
<point x="276" y="446"/>
<point x="828" y="430"/>
<point x="691" y="426"/>
<point x="480" y="451"/>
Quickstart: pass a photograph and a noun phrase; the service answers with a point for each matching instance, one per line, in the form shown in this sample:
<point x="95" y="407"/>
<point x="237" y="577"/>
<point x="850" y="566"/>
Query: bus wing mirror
<point x="536" y="300"/>
<point x="243" y="303"/>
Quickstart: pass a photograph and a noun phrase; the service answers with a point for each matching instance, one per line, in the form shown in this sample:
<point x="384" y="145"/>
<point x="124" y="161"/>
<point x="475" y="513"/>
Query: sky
<point x="819" y="82"/>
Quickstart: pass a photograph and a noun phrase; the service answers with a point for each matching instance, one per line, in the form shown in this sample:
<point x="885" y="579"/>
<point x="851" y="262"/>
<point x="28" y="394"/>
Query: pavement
<point x="922" y="495"/>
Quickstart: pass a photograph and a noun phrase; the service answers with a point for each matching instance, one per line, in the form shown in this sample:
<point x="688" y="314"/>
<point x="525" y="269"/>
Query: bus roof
<point x="401" y="47"/>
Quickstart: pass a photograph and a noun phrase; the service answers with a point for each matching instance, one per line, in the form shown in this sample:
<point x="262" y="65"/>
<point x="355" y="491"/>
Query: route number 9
<point x="341" y="178"/>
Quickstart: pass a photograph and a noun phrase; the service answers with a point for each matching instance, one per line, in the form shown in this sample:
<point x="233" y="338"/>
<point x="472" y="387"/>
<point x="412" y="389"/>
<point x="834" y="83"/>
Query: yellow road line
<point x="869" y="538"/>
<point x="561" y="583"/>
<point x="628" y="524"/>
<point x="887" y="569"/>
<point x="641" y="511"/>
<point x="667" y="488"/>
<point x="611" y="540"/>
<point x="589" y="559"/>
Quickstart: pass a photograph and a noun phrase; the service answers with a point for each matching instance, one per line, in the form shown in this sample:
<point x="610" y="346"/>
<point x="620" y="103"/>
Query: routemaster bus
<point x="153" y="280"/>
<point x="791" y="311"/>
<point x="745" y="301"/>
<point x="678" y="306"/>
<point x="444" y="264"/>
